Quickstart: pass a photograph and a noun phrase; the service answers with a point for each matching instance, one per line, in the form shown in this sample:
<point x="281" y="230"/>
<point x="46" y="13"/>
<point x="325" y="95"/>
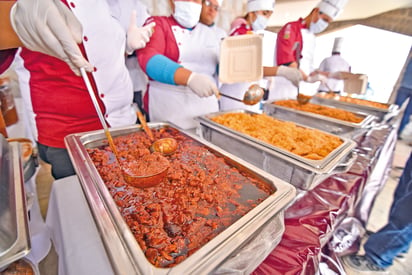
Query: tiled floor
<point x="44" y="182"/>
<point x="377" y="219"/>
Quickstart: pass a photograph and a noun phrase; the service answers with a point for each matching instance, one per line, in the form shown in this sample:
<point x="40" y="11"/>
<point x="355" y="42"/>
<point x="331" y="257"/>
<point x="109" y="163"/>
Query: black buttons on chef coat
<point x="72" y="5"/>
<point x="85" y="38"/>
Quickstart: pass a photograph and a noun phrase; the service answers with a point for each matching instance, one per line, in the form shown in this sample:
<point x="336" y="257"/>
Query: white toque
<point x="260" y="5"/>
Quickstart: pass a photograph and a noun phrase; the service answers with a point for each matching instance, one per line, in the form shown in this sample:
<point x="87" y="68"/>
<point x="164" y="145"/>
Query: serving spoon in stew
<point x="165" y="146"/>
<point x="303" y="99"/>
<point x="140" y="181"/>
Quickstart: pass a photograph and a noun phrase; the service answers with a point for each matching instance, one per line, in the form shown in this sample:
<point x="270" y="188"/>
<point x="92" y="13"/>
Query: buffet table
<point x="310" y="220"/>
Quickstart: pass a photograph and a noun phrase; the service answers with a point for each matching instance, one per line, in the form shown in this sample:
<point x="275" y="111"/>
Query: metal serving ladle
<point x="252" y="96"/>
<point x="165" y="146"/>
<point x="301" y="98"/>
<point x="135" y="180"/>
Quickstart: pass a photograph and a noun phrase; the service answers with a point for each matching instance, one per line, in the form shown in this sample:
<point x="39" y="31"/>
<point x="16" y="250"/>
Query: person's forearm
<point x="8" y="38"/>
<point x="270" y="71"/>
<point x="182" y="76"/>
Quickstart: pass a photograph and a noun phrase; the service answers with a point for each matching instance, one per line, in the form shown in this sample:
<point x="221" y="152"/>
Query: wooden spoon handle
<point x="144" y="123"/>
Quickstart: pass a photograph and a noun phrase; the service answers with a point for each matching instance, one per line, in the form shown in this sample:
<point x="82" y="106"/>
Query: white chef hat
<point x="337" y="45"/>
<point x="260" y="5"/>
<point x="219" y="2"/>
<point x="332" y="8"/>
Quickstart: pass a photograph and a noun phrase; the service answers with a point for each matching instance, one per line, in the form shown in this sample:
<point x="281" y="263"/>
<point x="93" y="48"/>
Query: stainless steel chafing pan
<point x="324" y="123"/>
<point x="382" y="114"/>
<point x="124" y="252"/>
<point x="14" y="231"/>
<point x="300" y="172"/>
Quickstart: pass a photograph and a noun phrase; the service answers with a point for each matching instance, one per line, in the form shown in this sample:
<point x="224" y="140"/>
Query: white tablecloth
<point x="39" y="232"/>
<point x="75" y="236"/>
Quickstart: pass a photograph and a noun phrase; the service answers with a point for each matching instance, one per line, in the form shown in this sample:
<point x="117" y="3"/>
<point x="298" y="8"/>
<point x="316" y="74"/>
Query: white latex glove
<point x="49" y="27"/>
<point x="202" y="85"/>
<point x="137" y="37"/>
<point x="292" y="74"/>
<point x="317" y="77"/>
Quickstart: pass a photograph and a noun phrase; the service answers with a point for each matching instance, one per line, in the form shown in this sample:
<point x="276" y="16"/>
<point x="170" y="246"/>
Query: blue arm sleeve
<point x="162" y="69"/>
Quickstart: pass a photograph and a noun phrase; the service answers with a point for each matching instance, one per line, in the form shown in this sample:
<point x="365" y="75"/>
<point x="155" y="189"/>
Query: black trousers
<point x="137" y="98"/>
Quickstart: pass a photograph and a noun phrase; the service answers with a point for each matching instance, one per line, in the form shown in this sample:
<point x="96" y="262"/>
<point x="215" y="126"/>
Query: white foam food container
<point x="241" y="59"/>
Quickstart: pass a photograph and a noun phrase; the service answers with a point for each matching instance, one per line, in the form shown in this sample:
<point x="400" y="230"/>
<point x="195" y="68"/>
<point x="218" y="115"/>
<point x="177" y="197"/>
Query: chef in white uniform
<point x="108" y="69"/>
<point x="295" y="47"/>
<point x="139" y="78"/>
<point x="181" y="61"/>
<point x="332" y="64"/>
<point x="257" y="14"/>
<point x="57" y="31"/>
<point x="255" y="21"/>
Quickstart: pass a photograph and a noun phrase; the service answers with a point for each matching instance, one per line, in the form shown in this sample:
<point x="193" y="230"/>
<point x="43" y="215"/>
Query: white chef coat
<point x="220" y="34"/>
<point x="198" y="52"/>
<point x="111" y="75"/>
<point x="121" y="9"/>
<point x="281" y="88"/>
<point x="331" y="64"/>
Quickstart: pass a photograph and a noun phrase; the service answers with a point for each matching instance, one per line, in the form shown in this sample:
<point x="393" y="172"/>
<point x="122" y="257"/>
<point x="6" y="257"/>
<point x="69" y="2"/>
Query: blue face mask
<point x="319" y="26"/>
<point x="260" y="23"/>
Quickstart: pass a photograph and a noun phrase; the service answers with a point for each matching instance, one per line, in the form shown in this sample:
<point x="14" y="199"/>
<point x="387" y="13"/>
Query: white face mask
<point x="187" y="14"/>
<point x="319" y="26"/>
<point x="260" y="23"/>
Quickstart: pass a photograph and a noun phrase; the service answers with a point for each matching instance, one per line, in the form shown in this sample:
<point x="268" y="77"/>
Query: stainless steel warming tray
<point x="380" y="113"/>
<point x="300" y="172"/>
<point x="124" y="252"/>
<point x="14" y="231"/>
<point x="324" y="123"/>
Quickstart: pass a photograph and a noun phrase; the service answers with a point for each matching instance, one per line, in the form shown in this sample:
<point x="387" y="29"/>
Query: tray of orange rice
<point x="327" y="118"/>
<point x="298" y="154"/>
<point x="378" y="109"/>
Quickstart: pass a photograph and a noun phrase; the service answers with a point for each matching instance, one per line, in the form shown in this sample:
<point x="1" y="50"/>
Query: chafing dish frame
<point x="121" y="246"/>
<point x="303" y="173"/>
<point x="380" y="113"/>
<point x="13" y="188"/>
<point x="321" y="122"/>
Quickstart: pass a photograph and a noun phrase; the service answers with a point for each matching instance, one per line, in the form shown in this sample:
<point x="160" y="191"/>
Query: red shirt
<point x="59" y="98"/>
<point x="242" y="27"/>
<point x="161" y="42"/>
<point x="286" y="42"/>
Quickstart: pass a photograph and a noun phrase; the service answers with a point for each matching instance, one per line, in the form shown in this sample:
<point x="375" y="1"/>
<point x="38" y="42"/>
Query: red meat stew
<point x="201" y="196"/>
